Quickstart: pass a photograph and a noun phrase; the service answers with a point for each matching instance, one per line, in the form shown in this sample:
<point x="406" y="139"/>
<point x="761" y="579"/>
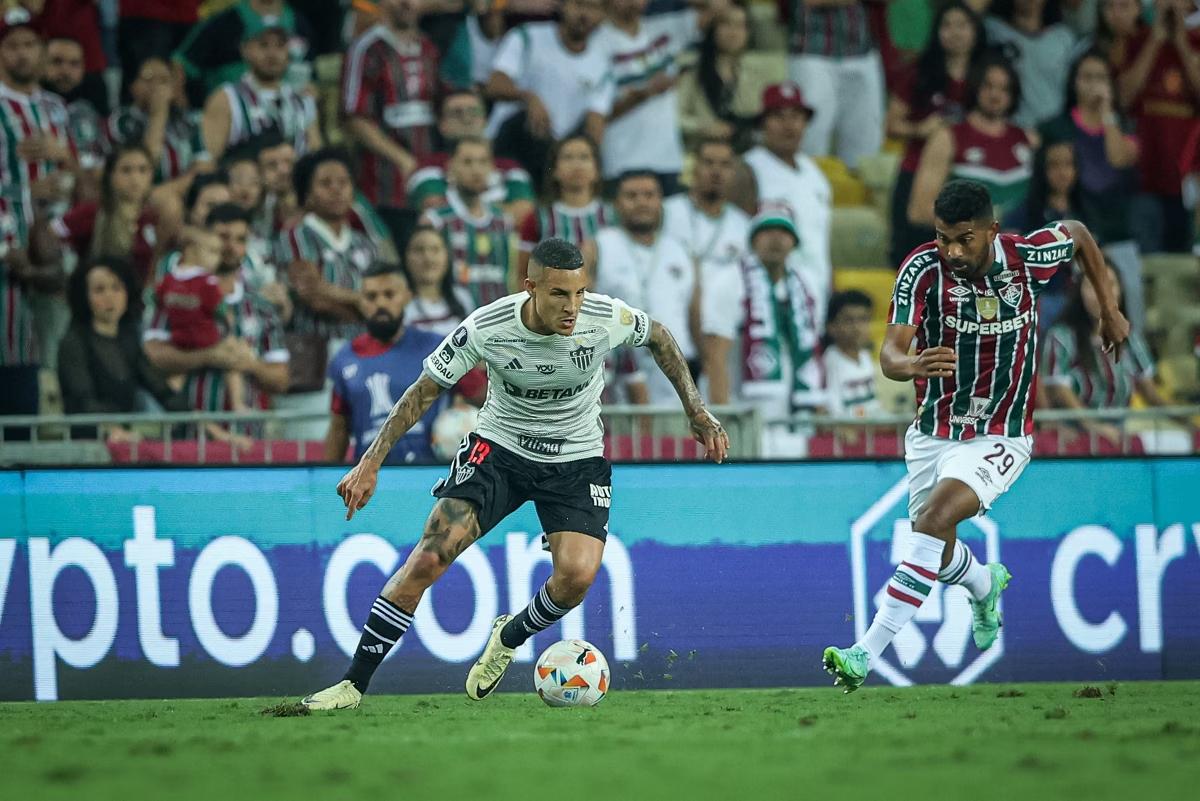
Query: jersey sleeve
<point x="911" y="292"/>
<point x="335" y="372"/>
<point x="1045" y="250"/>
<point x="722" y="304"/>
<point x="626" y="325"/>
<point x="156" y="327"/>
<point x="517" y="184"/>
<point x="1058" y="357"/>
<point x="510" y="55"/>
<point x="455" y="356"/>
<point x="356" y="83"/>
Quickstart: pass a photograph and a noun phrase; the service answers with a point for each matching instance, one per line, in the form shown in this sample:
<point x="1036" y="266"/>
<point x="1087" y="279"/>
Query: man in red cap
<point x="35" y="148"/>
<point x="786" y="177"/>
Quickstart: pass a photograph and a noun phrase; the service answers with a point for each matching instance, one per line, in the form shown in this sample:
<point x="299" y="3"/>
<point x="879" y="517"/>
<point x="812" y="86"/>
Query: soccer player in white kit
<point x="539" y="439"/>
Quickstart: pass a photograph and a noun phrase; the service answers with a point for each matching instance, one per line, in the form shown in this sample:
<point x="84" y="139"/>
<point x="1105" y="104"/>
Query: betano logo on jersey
<point x="962" y="326"/>
<point x="558" y="393"/>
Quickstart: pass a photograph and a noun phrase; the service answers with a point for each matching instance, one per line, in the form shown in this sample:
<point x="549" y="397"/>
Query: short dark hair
<point x="711" y="140"/>
<point x="77" y="292"/>
<point x="846" y="299"/>
<point x="200" y="183"/>
<point x="306" y="169"/>
<point x="380" y="268"/>
<point x="226" y="213"/>
<point x="962" y="200"/>
<point x="557" y="254"/>
<point x="630" y="175"/>
<point x="482" y="141"/>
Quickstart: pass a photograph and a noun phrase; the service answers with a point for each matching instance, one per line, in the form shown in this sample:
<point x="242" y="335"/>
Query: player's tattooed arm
<point x="705" y="427"/>
<point x="408" y="410"/>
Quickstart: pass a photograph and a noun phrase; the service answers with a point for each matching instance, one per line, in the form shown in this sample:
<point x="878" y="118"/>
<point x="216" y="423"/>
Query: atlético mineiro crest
<point x="582" y="356"/>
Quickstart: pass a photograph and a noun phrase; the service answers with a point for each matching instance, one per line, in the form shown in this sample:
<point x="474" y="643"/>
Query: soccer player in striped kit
<point x="969" y="299"/>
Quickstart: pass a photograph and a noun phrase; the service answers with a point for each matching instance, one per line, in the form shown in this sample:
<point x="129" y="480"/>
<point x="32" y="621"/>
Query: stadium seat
<point x="859" y="238"/>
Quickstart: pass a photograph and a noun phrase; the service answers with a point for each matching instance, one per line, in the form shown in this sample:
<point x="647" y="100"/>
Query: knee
<point x="934" y="522"/>
<point x="573" y="579"/>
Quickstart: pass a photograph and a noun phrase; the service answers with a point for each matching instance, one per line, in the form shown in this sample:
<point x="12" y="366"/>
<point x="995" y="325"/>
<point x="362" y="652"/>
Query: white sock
<point x="907" y="589"/>
<point x="968" y="571"/>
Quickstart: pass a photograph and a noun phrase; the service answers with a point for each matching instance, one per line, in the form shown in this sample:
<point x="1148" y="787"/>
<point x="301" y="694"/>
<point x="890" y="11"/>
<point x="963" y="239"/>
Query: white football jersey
<point x="850" y="384"/>
<point x="543" y="399"/>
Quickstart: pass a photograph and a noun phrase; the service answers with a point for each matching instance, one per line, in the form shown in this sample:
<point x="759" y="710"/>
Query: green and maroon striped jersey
<point x="991" y="323"/>
<point x="22" y="117"/>
<point x="255" y="321"/>
<point x="18" y="342"/>
<point x="482" y="249"/>
<point x="182" y="146"/>
<point x="576" y="225"/>
<point x="1104" y="383"/>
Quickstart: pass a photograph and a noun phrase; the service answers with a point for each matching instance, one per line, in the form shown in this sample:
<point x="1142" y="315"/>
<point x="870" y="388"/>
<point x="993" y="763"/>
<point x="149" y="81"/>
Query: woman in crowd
<point x="123" y="223"/>
<point x="576" y="211"/>
<point x="717" y="99"/>
<point x="1118" y="21"/>
<point x="439" y="303"/>
<point x="1077" y="372"/>
<point x="1032" y="35"/>
<point x="101" y="365"/>
<point x="930" y="97"/>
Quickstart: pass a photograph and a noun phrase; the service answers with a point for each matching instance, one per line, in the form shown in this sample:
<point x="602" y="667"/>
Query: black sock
<point x="384" y="628"/>
<point x="542" y="613"/>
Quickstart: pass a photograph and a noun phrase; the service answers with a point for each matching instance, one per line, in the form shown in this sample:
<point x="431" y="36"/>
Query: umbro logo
<point x="958" y="293"/>
<point x="515" y="364"/>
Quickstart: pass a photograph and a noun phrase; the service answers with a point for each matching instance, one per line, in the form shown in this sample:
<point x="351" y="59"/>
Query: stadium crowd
<point x="281" y="205"/>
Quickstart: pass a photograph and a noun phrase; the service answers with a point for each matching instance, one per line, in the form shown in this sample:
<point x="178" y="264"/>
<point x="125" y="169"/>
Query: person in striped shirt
<point x="479" y="234"/>
<point x="1079" y="374"/>
<point x="240" y="110"/>
<point x="576" y="211"/>
<point x="968" y="300"/>
<point x="157" y="120"/>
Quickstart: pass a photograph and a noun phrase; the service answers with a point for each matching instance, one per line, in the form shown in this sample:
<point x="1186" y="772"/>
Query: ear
<point x="528" y="285"/>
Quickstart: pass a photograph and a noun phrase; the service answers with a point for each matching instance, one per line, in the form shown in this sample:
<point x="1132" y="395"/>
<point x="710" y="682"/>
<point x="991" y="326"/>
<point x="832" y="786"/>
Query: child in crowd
<point x="849" y="362"/>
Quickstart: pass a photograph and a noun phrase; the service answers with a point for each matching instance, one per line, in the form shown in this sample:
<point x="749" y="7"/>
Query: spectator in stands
<point x="1079" y="374"/>
<point x="123" y="224"/>
<point x="438" y="302"/>
<point x="549" y="79"/>
<point x="64" y="76"/>
<point x="240" y="110"/>
<point x="479" y="234"/>
<point x="35" y="185"/>
<point x="151" y="28"/>
<point x="78" y="20"/>
<point x="486" y="25"/>
<point x="212" y="54"/>
<point x="322" y="258"/>
<point x="462" y="114"/>
<point x="774" y="316"/>
<point x="1033" y="38"/>
<point x="389" y="83"/>
<point x="206" y="192"/>
<point x="156" y="119"/>
<point x="717" y="98"/>
<point x="279" y="209"/>
<point x="372" y="371"/>
<point x="256" y="345"/>
<point x="650" y="270"/>
<point x="931" y="96"/>
<point x="1054" y="194"/>
<point x="848" y="358"/>
<point x="575" y="211"/>
<point x="788" y="178"/>
<point x="643" y="127"/>
<point x="1118" y="21"/>
<point x="833" y="55"/>
<point x="101" y="365"/>
<point x="986" y="146"/>
<point x="712" y="230"/>
<point x="1106" y="152"/>
<point x="1159" y="82"/>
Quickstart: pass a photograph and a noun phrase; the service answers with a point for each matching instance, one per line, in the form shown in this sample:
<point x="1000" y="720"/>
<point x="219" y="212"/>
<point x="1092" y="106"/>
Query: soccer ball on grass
<point x="571" y="673"/>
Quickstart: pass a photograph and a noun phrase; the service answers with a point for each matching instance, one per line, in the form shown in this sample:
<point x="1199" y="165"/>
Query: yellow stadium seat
<point x="859" y="237"/>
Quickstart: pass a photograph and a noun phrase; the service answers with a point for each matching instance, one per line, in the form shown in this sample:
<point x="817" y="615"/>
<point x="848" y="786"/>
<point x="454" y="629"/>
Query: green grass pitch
<point x="1027" y="742"/>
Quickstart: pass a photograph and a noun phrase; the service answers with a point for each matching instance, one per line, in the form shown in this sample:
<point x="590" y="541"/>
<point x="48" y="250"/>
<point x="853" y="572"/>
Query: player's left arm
<point x="1114" y="328"/>
<point x="706" y="428"/>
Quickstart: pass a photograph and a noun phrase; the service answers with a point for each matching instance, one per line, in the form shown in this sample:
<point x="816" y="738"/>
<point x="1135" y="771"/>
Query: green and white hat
<point x="774" y="217"/>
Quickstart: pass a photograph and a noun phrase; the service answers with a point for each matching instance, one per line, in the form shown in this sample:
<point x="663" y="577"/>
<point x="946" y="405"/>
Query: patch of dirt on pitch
<point x="294" y="710"/>
<point x="1010" y="694"/>
<point x="1088" y="692"/>
<point x="1058" y="713"/>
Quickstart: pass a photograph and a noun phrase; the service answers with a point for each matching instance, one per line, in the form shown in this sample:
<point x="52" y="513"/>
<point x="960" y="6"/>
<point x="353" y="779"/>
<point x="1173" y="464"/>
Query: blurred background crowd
<point x="243" y="205"/>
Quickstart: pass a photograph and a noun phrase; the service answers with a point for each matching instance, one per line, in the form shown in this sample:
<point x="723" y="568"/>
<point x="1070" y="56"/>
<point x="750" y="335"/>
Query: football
<point x="451" y="428"/>
<point x="571" y="673"/>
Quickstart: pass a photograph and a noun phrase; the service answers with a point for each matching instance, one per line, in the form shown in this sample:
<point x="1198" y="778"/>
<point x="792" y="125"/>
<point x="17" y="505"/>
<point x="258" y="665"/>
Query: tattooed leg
<point x="451" y="528"/>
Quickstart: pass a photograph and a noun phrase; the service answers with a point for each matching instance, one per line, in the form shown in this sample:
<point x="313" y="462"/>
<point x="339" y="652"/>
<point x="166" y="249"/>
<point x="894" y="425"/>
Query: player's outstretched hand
<point x="357" y="487"/>
<point x="708" y="430"/>
<point x="1114" y="330"/>
<point x="934" y="363"/>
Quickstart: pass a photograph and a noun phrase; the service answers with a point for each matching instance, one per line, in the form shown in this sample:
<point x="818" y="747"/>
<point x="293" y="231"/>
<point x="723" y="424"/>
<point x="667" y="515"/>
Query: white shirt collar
<point x="339" y="242"/>
<point x="185" y="272"/>
<point x="460" y="208"/>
